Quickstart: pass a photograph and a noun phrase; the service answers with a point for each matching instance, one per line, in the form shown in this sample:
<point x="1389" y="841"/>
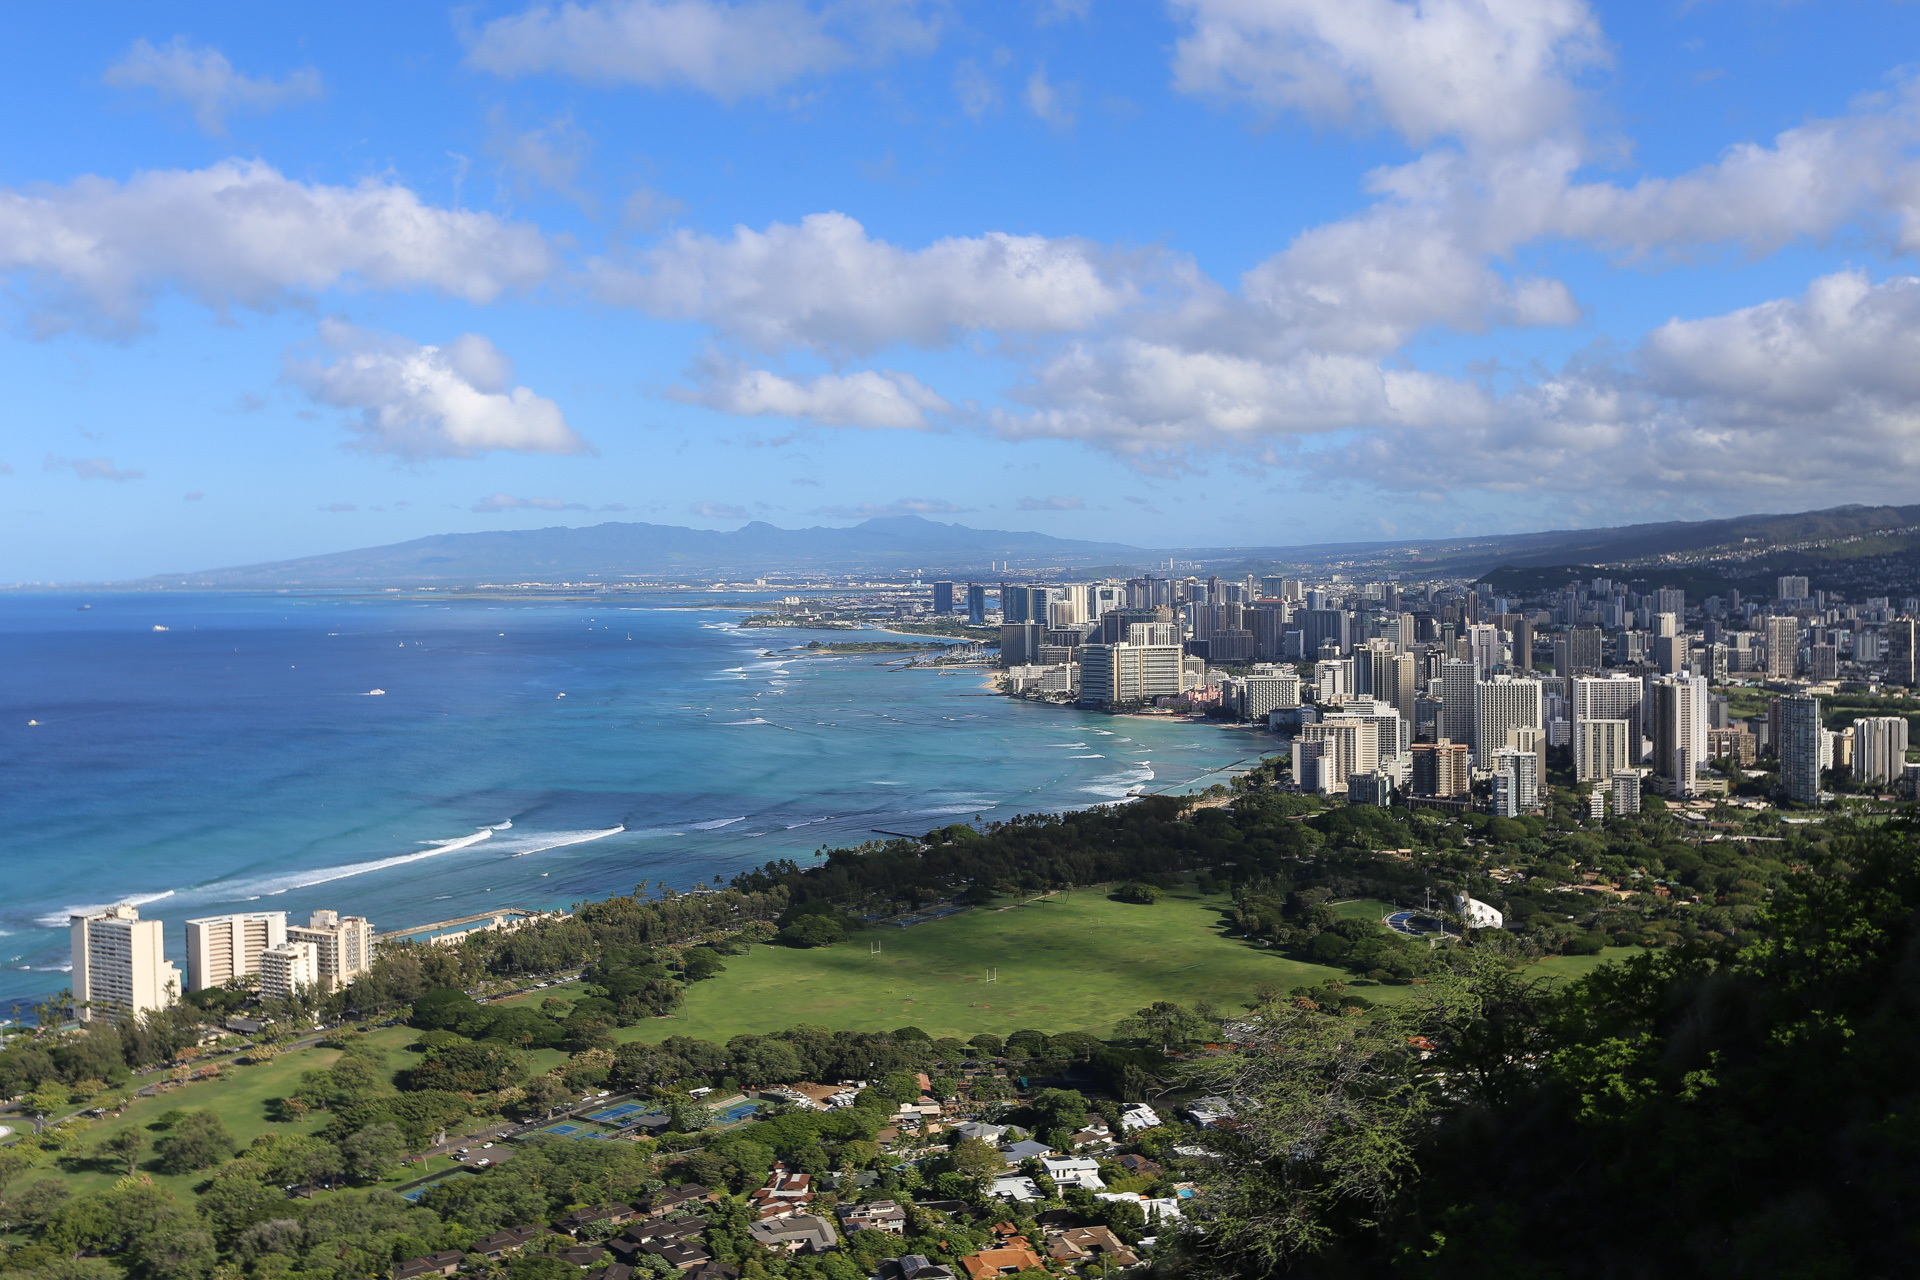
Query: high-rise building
<point x="1611" y="698"/>
<point x="1458" y="681"/>
<point x="1522" y="632"/>
<point x="120" y="966"/>
<point x="222" y="948"/>
<point x="942" y="599"/>
<point x="343" y="945"/>
<point x="1670" y="652"/>
<point x="1823" y="662"/>
<point x="288" y="969"/>
<point x="1020" y="643"/>
<point x="1523" y="768"/>
<point x="1318" y="626"/>
<point x="1626" y="792"/>
<point x="1502" y="705"/>
<point x="1792" y="588"/>
<point x="1670" y="600"/>
<point x="1601" y="748"/>
<point x="1879" y="749"/>
<point x="1576" y="652"/>
<point x="976" y="605"/>
<point x="1799" y="746"/>
<point x="1902" y="652"/>
<point x="1783" y="647"/>
<point x="1118" y="674"/>
<point x="1403" y="684"/>
<point x="1441" y="769"/>
<point x="1353" y="746"/>
<point x="1678" y="716"/>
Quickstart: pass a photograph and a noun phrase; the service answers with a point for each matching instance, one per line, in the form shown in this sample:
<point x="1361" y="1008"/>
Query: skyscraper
<point x="1576" y="652"/>
<point x="1441" y="769"/>
<point x="1799" y="716"/>
<point x="1902" y="652"/>
<point x="1879" y="749"/>
<point x="1610" y="698"/>
<point x="1502" y="705"/>
<point x="1601" y="749"/>
<point x="120" y="966"/>
<point x="1783" y="647"/>
<point x="1458" y="680"/>
<point x="1792" y="588"/>
<point x="1678" y="716"/>
<point x="222" y="948"/>
<point x="942" y="599"/>
<point x="343" y="945"/>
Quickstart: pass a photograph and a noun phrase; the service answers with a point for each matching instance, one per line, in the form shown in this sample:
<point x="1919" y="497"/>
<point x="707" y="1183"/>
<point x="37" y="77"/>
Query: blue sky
<point x="290" y="279"/>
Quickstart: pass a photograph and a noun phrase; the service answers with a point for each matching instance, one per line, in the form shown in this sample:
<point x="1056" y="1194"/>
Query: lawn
<point x="239" y="1098"/>
<point x="1569" y="967"/>
<point x="1074" y="961"/>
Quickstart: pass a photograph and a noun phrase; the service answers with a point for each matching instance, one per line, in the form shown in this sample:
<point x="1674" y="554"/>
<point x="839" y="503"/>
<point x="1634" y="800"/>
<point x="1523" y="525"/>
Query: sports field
<point x="1074" y="961"/>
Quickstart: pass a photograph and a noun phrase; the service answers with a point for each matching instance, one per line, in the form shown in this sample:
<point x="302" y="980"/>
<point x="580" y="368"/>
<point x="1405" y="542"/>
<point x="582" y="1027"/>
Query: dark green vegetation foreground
<point x="1738" y="1101"/>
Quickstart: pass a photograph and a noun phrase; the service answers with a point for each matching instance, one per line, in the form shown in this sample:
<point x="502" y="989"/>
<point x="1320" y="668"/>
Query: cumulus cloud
<point x="898" y="507"/>
<point x="730" y="51"/>
<point x="868" y="398"/>
<point x="507" y="502"/>
<point x="1052" y="504"/>
<point x="91" y="468"/>
<point x="1487" y="71"/>
<point x="826" y="285"/>
<point x="240" y="233"/>
<point x="451" y="401"/>
<point x="716" y="511"/>
<point x="203" y="79"/>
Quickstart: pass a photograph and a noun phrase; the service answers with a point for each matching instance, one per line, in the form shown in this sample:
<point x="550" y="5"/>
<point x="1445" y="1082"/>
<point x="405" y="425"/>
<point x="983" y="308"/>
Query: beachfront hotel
<point x="222" y="948"/>
<point x="343" y="946"/>
<point x="120" y="964"/>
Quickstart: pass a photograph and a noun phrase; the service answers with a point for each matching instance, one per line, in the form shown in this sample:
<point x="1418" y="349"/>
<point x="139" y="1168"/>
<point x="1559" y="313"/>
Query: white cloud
<point x="92" y="468"/>
<point x="507" y="502"/>
<point x="550" y="155"/>
<point x="730" y="51"/>
<point x="826" y="285"/>
<point x="206" y="81"/>
<point x="898" y="507"/>
<point x="1055" y="503"/>
<point x="1052" y="103"/>
<point x="708" y="510"/>
<point x="452" y="401"/>
<point x="1487" y="71"/>
<point x="976" y="90"/>
<point x="239" y="233"/>
<point x="866" y="398"/>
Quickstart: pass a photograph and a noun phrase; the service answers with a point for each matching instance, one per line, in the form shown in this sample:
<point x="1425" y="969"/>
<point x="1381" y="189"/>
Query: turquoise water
<point x="199" y="754"/>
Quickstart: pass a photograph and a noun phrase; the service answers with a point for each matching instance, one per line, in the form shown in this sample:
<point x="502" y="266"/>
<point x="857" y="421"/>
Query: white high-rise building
<point x="1600" y="749"/>
<point x="1458" y="681"/>
<point x="222" y="948"/>
<point x="1351" y="746"/>
<point x="1611" y="698"/>
<point x="1504" y="704"/>
<point x="120" y="965"/>
<point x="1679" y="714"/>
<point x="1626" y="792"/>
<point x="1116" y="674"/>
<point x="1521" y="772"/>
<point x="343" y="945"/>
<point x="1879" y="749"/>
<point x="288" y="969"/>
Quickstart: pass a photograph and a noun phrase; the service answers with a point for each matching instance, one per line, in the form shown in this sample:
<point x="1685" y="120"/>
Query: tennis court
<point x="733" y="1115"/>
<point x="614" y="1115"/>
<point x="575" y="1131"/>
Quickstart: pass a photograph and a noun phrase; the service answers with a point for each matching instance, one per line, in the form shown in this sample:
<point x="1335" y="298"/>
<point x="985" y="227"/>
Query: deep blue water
<point x="238" y="760"/>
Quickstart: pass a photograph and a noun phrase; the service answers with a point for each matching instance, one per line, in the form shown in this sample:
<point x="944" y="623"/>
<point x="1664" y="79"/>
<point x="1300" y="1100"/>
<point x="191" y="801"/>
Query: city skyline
<point x="286" y="282"/>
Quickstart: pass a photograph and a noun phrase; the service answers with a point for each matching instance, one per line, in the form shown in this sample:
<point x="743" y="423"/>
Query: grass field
<point x="239" y="1098"/>
<point x="1569" y="967"/>
<point x="1075" y="961"/>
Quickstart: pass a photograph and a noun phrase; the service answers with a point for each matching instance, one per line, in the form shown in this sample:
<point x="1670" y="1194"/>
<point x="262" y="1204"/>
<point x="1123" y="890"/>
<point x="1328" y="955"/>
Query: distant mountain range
<point x="894" y="544"/>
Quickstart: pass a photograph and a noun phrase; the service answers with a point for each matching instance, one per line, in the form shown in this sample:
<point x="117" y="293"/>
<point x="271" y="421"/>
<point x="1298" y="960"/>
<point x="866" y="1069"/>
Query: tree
<point x="370" y="1152"/>
<point x="1328" y="1106"/>
<point x="977" y="1160"/>
<point x="546" y="1093"/>
<point x="1165" y="1024"/>
<point x="1143" y="894"/>
<point x="813" y="931"/>
<point x="127" y="1144"/>
<point x="12" y="1165"/>
<point x="198" y="1140"/>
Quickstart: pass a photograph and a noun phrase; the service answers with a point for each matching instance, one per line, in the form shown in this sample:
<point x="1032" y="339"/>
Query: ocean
<point x="418" y="760"/>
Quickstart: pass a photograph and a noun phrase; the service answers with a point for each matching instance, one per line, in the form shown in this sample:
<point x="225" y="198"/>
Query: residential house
<point x="1091" y="1244"/>
<point x="683" y="1196"/>
<point x="580" y="1219"/>
<point x="1013" y="1255"/>
<point x="1027" y="1150"/>
<point x="1167" y="1207"/>
<point x="612" y="1271"/>
<point x="1015" y="1188"/>
<point x="800" y="1233"/>
<point x="434" y="1264"/>
<point x="1209" y="1111"/>
<point x="1138" y="1115"/>
<point x="913" y="1266"/>
<point x="879" y="1215"/>
<point x="784" y="1193"/>
<point x="1137" y="1165"/>
<point x="712" y="1270"/>
<point x="501" y="1243"/>
<point x="586" y="1255"/>
<point x="1074" y="1171"/>
<point x="683" y="1254"/>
